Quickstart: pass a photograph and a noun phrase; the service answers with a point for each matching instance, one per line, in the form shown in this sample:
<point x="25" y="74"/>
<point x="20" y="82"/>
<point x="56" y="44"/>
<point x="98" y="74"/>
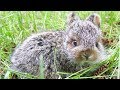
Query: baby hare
<point x="64" y="50"/>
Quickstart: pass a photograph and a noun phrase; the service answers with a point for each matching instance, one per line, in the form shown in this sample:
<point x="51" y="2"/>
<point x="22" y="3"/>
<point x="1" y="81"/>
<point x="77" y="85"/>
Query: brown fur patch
<point x="97" y="21"/>
<point x="80" y="56"/>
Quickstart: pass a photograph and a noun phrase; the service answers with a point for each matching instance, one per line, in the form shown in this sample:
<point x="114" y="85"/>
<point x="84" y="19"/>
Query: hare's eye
<point x="74" y="43"/>
<point x="96" y="44"/>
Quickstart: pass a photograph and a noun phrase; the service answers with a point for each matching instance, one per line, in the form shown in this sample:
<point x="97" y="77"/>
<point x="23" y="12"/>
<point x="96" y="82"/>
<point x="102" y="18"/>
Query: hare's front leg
<point x="51" y="73"/>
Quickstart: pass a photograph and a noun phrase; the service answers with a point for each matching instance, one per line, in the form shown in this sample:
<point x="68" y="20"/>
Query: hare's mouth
<point x="85" y="59"/>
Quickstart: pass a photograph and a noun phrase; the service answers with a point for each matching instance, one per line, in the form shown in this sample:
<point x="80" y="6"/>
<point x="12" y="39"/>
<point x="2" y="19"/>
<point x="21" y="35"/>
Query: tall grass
<point x="15" y="26"/>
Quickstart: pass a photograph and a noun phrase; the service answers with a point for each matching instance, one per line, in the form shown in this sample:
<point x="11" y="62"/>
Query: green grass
<point x="15" y="26"/>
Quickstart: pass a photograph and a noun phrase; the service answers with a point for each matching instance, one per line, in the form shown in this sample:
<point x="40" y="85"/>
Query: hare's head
<point x="82" y="41"/>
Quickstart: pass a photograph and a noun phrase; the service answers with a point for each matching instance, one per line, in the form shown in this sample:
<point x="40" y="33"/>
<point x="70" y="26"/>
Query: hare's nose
<point x="86" y="56"/>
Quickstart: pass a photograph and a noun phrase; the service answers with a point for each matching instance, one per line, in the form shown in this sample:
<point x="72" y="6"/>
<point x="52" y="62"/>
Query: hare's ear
<point x="71" y="18"/>
<point x="95" y="19"/>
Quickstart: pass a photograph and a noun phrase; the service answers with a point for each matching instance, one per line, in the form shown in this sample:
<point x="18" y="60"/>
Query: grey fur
<point x="25" y="58"/>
